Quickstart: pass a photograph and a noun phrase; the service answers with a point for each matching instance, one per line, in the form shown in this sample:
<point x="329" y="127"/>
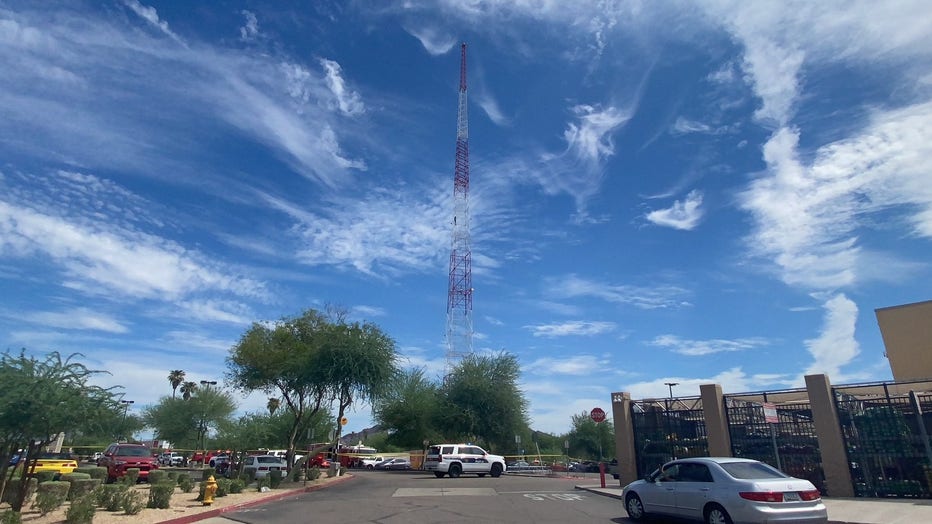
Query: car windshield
<point x="132" y="452"/>
<point x="752" y="470"/>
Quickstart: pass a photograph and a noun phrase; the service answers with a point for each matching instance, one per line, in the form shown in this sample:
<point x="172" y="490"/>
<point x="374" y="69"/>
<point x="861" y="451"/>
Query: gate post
<point x="624" y="438"/>
<point x="828" y="431"/>
<point x="716" y="421"/>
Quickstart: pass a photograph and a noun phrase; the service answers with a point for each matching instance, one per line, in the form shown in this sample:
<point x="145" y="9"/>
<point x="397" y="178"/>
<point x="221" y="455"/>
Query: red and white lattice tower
<point x="459" y="291"/>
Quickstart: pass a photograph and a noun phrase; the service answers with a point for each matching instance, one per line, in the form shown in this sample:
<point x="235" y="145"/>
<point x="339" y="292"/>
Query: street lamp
<point x="126" y="404"/>
<point x="670" y="385"/>
<point x="203" y="426"/>
<point x="669" y="420"/>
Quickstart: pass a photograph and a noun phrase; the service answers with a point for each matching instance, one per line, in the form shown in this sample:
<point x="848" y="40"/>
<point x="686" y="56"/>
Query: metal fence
<point x="885" y="428"/>
<point x="667" y="429"/>
<point x="789" y="442"/>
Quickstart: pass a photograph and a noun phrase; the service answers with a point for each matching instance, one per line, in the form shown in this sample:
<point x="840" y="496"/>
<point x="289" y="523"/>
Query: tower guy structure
<point x="459" y="291"/>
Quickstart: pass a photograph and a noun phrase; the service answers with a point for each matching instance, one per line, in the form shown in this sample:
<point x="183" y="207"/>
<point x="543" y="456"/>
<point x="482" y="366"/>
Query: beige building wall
<point x="907" y="337"/>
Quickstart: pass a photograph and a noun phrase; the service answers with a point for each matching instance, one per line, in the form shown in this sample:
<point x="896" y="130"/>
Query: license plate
<point x="791" y="496"/>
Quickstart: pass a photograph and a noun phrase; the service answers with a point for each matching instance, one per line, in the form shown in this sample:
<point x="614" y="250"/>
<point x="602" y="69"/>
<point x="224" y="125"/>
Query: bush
<point x="133" y="501"/>
<point x="313" y="473"/>
<point x="95" y="472"/>
<point x="262" y="483"/>
<point x="82" y="509"/>
<point x="186" y="483"/>
<point x="160" y="495"/>
<point x="46" y="476"/>
<point x="275" y="479"/>
<point x="50" y="496"/>
<point x="173" y="475"/>
<point x="223" y="487"/>
<point x="206" y="473"/>
<point x="131" y="477"/>
<point x="11" y="517"/>
<point x="237" y="485"/>
<point x="82" y="487"/>
<point x="12" y="489"/>
<point x="157" y="475"/>
<point x="110" y="496"/>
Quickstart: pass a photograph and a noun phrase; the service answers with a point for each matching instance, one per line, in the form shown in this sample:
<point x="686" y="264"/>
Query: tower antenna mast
<point x="459" y="291"/>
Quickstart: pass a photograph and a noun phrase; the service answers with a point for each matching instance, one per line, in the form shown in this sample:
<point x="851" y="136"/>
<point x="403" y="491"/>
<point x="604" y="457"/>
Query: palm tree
<point x="273" y="405"/>
<point x="175" y="377"/>
<point x="188" y="389"/>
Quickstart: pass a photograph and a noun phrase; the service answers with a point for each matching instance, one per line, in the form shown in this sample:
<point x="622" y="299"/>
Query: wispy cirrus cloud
<point x="152" y="16"/>
<point x="576" y="365"/>
<point x="706" y="347"/>
<point x="684" y="215"/>
<point x="656" y="297"/>
<point x="572" y="328"/>
<point x="347" y="101"/>
<point x="435" y="40"/>
<point x="81" y="318"/>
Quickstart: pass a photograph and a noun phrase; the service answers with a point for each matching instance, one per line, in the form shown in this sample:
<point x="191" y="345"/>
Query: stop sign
<point x="597" y="414"/>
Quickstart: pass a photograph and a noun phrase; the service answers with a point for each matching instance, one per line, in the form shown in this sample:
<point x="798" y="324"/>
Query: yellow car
<point x="57" y="462"/>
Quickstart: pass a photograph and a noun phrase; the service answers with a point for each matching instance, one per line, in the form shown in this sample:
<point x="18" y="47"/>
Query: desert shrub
<point x="186" y="483"/>
<point x="12" y="489"/>
<point x="131" y="477"/>
<point x="157" y="475"/>
<point x="82" y="509"/>
<point x="223" y="487"/>
<point x="206" y="473"/>
<point x="237" y="486"/>
<point x="82" y="487"/>
<point x="134" y="501"/>
<point x="71" y="477"/>
<point x="160" y="495"/>
<point x="110" y="496"/>
<point x="173" y="475"/>
<point x="262" y="483"/>
<point x="46" y="476"/>
<point x="10" y="517"/>
<point x="94" y="471"/>
<point x="275" y="479"/>
<point x="313" y="473"/>
<point x="50" y="496"/>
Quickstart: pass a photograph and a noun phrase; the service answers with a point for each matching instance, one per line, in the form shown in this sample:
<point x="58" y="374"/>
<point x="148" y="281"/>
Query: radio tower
<point x="459" y="295"/>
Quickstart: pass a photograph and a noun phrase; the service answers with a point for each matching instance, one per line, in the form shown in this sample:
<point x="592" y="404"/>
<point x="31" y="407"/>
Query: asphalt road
<point x="395" y="497"/>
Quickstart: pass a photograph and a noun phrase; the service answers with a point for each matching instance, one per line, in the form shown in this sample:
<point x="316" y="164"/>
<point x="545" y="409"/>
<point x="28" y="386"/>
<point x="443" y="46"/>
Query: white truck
<point x="457" y="459"/>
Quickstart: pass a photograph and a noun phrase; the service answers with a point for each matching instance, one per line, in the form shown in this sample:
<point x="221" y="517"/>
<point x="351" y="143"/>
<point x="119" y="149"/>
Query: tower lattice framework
<point x="460" y="291"/>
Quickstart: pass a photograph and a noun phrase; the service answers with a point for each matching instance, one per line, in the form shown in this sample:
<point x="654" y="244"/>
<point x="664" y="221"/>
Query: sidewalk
<point x="842" y="511"/>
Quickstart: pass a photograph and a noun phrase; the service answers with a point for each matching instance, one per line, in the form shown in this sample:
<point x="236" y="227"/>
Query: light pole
<point x="670" y="421"/>
<point x="203" y="427"/>
<point x="126" y="404"/>
<point x="670" y="385"/>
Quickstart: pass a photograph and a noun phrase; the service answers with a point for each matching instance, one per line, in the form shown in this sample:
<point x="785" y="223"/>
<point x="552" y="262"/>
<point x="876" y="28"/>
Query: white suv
<point x="456" y="459"/>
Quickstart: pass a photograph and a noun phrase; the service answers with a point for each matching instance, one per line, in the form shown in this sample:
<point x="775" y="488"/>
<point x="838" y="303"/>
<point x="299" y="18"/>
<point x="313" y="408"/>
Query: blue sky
<point x="660" y="191"/>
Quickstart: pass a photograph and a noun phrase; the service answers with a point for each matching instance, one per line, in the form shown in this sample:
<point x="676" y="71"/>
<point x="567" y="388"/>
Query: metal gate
<point x="886" y="437"/>
<point x="667" y="429"/>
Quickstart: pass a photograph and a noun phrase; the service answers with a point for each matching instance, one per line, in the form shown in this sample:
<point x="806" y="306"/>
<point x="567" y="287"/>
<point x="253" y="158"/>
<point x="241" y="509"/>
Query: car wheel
<point x="496" y="470"/>
<point x="716" y="514"/>
<point x="438" y="474"/>
<point x="455" y="471"/>
<point x="635" y="507"/>
<point x="369" y="466"/>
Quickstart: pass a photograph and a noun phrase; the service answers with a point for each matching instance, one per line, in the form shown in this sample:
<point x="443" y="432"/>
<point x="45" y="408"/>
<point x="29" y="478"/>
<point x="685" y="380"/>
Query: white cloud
<point x="836" y="345"/>
<point x="250" y="30"/>
<point x="368" y="311"/>
<point x="577" y="365"/>
<point x="657" y="297"/>
<point x="705" y="347"/>
<point x="490" y="106"/>
<point x="77" y="318"/>
<point x="433" y="39"/>
<point x="572" y="328"/>
<point x="683" y="215"/>
<point x="347" y="101"/>
<point x="151" y="16"/>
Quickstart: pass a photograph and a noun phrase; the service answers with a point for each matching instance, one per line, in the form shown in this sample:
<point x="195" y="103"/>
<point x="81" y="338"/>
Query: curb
<point x="235" y="507"/>
<point x="598" y="492"/>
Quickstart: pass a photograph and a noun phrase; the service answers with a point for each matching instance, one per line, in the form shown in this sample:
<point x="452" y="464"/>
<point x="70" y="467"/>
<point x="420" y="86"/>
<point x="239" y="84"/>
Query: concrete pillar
<point x="828" y="431"/>
<point x="716" y="421"/>
<point x="624" y="438"/>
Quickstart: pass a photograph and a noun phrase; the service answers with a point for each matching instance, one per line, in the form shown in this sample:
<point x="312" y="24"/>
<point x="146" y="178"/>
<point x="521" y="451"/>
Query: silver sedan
<point x="724" y="490"/>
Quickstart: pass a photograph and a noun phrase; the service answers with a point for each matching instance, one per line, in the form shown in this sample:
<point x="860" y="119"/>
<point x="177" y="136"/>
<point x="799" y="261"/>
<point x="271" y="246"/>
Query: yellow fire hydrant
<point x="210" y="489"/>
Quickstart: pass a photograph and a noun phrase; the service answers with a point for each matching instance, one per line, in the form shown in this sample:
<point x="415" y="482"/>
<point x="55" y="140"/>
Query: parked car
<point x="724" y="490"/>
<point x="119" y="457"/>
<point x="318" y="461"/>
<point x="57" y="462"/>
<point x="369" y="463"/>
<point x="171" y="458"/>
<point x="259" y="466"/>
<point x="456" y="459"/>
<point x="217" y="459"/>
<point x="394" y="464"/>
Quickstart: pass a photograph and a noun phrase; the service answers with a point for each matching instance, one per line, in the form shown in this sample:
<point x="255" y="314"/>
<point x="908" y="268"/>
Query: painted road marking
<point x="445" y="492"/>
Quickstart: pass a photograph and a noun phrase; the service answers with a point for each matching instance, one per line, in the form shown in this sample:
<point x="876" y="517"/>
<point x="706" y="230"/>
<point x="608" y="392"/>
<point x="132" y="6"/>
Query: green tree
<point x="175" y="378"/>
<point x="482" y="401"/>
<point x="590" y="439"/>
<point x="188" y="422"/>
<point x="409" y="408"/>
<point x="282" y="359"/>
<point x="42" y="398"/>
